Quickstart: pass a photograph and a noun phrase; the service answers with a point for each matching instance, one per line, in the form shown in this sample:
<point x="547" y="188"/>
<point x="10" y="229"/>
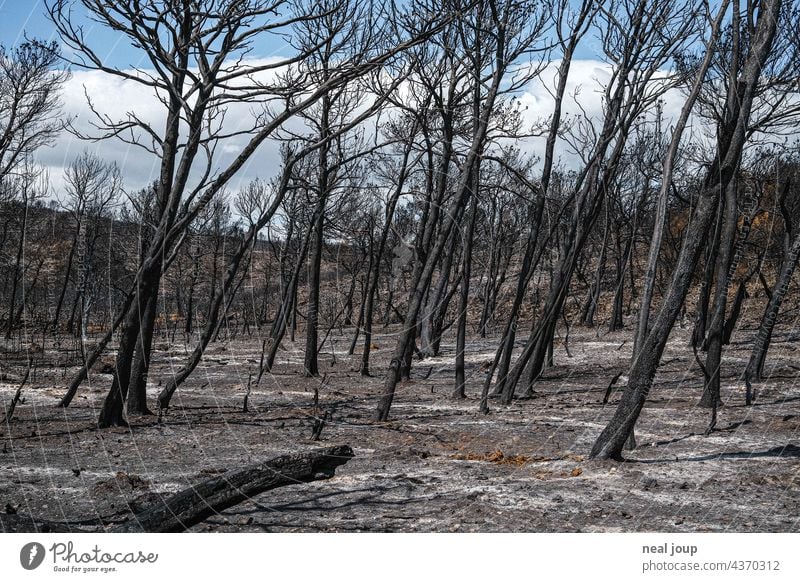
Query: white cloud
<point x="115" y="97"/>
<point x="584" y="96"/>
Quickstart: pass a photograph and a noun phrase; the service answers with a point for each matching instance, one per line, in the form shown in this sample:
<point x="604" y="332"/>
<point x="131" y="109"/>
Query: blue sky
<point x="27" y="17"/>
<point x="21" y="18"/>
<point x="17" y="16"/>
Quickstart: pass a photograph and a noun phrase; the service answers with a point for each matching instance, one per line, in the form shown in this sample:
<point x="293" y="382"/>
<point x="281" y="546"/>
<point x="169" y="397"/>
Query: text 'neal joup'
<point x="670" y="549"/>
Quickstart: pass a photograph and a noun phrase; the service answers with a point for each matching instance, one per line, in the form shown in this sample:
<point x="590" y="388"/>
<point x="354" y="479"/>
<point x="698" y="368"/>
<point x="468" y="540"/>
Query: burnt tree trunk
<point x="755" y="366"/>
<point x="191" y="506"/>
<point x="137" y="398"/>
<point x="311" y="364"/>
<point x="611" y="441"/>
<point x="463" y="304"/>
<point x="375" y="273"/>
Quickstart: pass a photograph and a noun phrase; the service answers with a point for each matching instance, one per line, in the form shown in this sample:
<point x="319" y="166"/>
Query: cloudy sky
<point x="115" y="97"/>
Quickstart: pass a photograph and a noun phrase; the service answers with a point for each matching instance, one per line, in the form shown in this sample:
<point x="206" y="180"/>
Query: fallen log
<point x="182" y="510"/>
<point x="193" y="505"/>
<point x="14" y="523"/>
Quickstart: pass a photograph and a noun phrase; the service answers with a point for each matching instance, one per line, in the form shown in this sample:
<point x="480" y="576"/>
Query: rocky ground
<point x="438" y="465"/>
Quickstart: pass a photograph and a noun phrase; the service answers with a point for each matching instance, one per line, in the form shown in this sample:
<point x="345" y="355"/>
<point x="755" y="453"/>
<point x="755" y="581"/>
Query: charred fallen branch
<point x="196" y="503"/>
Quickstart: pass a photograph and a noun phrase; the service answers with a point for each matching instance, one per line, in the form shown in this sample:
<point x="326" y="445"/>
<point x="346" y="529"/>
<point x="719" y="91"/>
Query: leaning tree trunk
<point x="597" y="174"/>
<point x="538" y="351"/>
<point x="288" y="305"/>
<point x="502" y="357"/>
<point x="504" y="351"/>
<point x="611" y="441"/>
<point x="458" y="201"/>
<point x="666" y="181"/>
<point x="755" y="366"/>
<point x="736" y="311"/>
<point x="593" y="298"/>
<point x="374" y="275"/>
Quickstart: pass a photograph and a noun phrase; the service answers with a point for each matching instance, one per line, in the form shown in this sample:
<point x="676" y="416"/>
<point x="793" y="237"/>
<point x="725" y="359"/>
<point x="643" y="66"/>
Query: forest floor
<point x="438" y="464"/>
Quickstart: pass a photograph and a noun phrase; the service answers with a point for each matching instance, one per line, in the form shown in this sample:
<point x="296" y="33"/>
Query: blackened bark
<point x="463" y="304"/>
<point x="701" y="315"/>
<point x="666" y="181"/>
<point x="711" y="389"/>
<point x="311" y="363"/>
<point x="67" y="272"/>
<point x="191" y="506"/>
<point x="137" y="399"/>
<point x="16" y="275"/>
<point x="755" y="366"/>
<point x="182" y="510"/>
<point x="312" y="315"/>
<point x="593" y="297"/>
<point x="611" y="441"/>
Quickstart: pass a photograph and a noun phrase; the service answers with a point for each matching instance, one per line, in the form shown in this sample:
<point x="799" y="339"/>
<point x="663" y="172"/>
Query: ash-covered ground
<point x="438" y="464"/>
